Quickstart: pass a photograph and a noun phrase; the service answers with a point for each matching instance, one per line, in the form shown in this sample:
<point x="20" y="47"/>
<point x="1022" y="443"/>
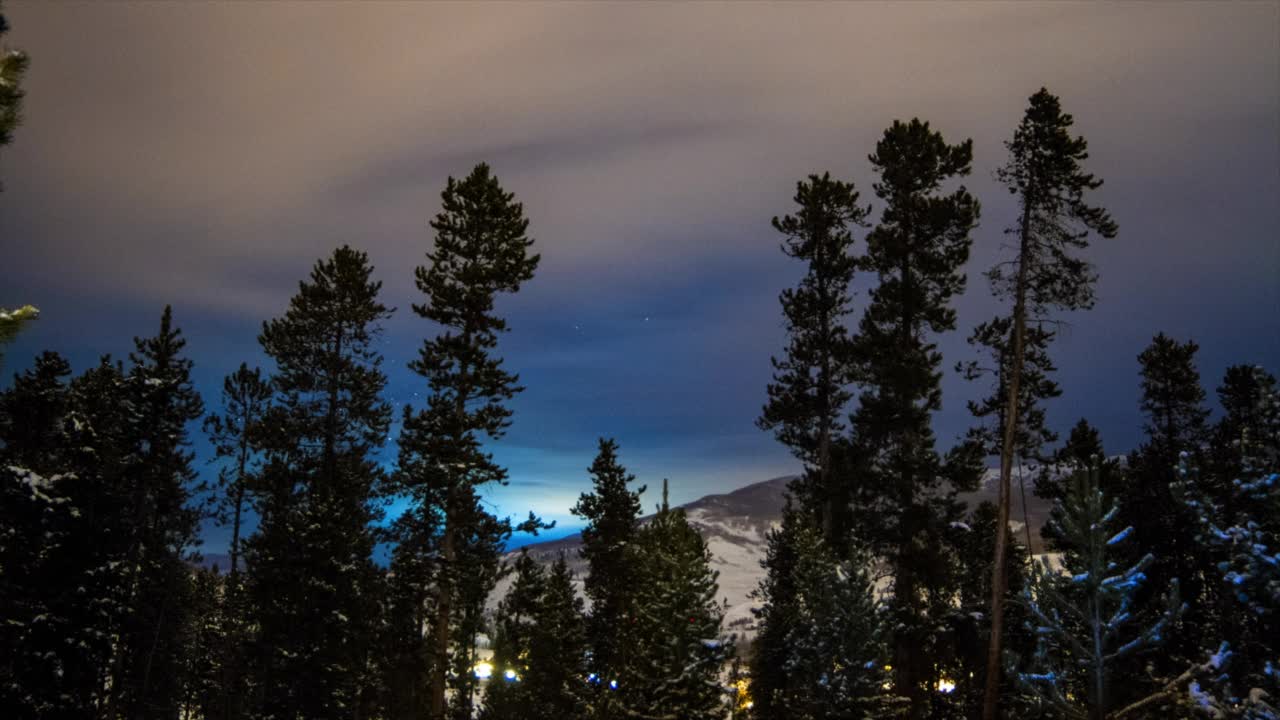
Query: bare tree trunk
<point x="999" y="580"/>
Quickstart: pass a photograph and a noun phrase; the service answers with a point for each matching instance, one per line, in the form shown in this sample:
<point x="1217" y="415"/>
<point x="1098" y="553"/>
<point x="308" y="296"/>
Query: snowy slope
<point x="734" y="525"/>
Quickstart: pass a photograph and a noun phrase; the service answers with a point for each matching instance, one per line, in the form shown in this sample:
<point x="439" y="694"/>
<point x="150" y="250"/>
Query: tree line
<point x="884" y="595"/>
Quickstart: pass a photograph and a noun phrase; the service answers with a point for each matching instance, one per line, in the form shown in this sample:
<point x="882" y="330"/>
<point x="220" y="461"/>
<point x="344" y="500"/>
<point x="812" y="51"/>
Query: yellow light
<point x="946" y="684"/>
<point x="483" y="670"/>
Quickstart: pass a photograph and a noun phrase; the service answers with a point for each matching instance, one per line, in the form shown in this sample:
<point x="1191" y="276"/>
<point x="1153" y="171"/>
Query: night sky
<point x="207" y="155"/>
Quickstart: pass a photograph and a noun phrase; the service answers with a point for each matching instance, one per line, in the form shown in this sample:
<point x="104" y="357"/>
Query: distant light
<point x="483" y="670"/>
<point x="509" y="674"/>
<point x="592" y="678"/>
<point x="750" y="704"/>
<point x="946" y="685"/>
<point x="613" y="684"/>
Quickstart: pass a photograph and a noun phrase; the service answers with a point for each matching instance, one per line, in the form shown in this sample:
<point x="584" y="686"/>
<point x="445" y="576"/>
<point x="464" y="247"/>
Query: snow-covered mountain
<point x="734" y="525"/>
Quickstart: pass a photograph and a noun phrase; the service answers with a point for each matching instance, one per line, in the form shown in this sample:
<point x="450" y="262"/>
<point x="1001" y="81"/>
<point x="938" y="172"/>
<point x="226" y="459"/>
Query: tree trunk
<point x="999" y="580"/>
<point x="444" y="608"/>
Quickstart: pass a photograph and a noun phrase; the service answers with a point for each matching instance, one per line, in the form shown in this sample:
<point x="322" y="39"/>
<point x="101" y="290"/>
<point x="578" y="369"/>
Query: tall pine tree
<point x="236" y="436"/>
<point x="1045" y="275"/>
<point x="313" y="583"/>
<point x="145" y="680"/>
<point x="481" y="249"/>
<point x="905" y="488"/>
<point x="810" y="385"/>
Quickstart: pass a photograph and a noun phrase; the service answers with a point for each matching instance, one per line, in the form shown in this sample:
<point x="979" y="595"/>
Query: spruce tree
<point x="1045" y="275"/>
<point x="810" y="385"/>
<point x="481" y="249"/>
<point x="905" y="488"/>
<point x="1240" y="436"/>
<point x="776" y="613"/>
<point x="539" y="647"/>
<point x="836" y="649"/>
<point x="311" y="576"/>
<point x="1086" y="621"/>
<point x="678" y="652"/>
<point x="146" y="680"/>
<point x="611" y="512"/>
<point x="1173" y="405"/>
<point x="1238" y="524"/>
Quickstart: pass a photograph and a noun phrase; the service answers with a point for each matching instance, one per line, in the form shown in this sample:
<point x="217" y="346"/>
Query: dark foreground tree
<point x="678" y="652"/>
<point x="236" y="435"/>
<point x="1045" y="275"/>
<point x="611" y="512"/>
<point x="539" y="650"/>
<point x="810" y="385"/>
<point x="481" y="249"/>
<point x="1238" y="524"/>
<point x="1084" y="619"/>
<point x="313" y="583"/>
<point x="1175" y="422"/>
<point x="832" y="655"/>
<point x="905" y="488"/>
<point x="146" y="680"/>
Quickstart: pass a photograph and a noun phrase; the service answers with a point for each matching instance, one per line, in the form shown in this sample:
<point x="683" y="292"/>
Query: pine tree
<point x="904" y="488"/>
<point x="204" y="654"/>
<point x="1173" y="404"/>
<point x="311" y="576"/>
<point x="777" y="612"/>
<point x="539" y="647"/>
<point x="146" y="680"/>
<point x="611" y="512"/>
<point x="836" y="644"/>
<point x="1241" y="435"/>
<point x="234" y="435"/>
<point x="13" y="64"/>
<point x="37" y="677"/>
<point x="1086" y="621"/>
<point x="1055" y="221"/>
<point x="481" y="249"/>
<point x="406" y="661"/>
<point x="810" y="385"/>
<point x="1238" y="524"/>
<point x="678" y="649"/>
